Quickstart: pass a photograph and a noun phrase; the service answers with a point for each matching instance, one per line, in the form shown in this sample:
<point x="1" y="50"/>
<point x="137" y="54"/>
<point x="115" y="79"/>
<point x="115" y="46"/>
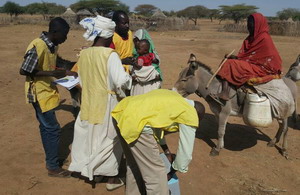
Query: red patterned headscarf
<point x="259" y="49"/>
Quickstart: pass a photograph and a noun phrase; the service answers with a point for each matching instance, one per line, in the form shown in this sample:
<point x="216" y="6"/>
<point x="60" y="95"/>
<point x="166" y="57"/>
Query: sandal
<point x="114" y="186"/>
<point x="217" y="99"/>
<point x="60" y="172"/>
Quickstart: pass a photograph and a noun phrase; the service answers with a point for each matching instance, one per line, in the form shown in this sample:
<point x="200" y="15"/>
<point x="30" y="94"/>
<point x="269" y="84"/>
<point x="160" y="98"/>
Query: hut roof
<point x="84" y="12"/>
<point x="69" y="12"/>
<point x="158" y="14"/>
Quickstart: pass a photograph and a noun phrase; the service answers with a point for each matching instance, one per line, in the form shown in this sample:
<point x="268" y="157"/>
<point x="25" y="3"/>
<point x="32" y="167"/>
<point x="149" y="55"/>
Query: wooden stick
<point x="220" y="66"/>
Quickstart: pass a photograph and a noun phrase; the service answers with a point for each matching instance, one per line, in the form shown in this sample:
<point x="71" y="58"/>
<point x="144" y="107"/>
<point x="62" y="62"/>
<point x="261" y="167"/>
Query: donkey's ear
<point x="298" y="59"/>
<point x="192" y="58"/>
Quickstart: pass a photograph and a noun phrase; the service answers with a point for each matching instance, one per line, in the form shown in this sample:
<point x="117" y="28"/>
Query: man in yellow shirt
<point x="39" y="67"/>
<point x="123" y="39"/>
<point x="141" y="119"/>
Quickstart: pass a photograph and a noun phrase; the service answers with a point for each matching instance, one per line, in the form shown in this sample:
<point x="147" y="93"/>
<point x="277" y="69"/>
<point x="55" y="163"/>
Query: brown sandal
<point x="60" y="172"/>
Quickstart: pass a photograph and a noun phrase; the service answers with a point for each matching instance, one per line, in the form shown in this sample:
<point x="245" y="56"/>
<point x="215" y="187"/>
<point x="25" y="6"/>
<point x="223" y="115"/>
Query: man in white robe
<point x="96" y="149"/>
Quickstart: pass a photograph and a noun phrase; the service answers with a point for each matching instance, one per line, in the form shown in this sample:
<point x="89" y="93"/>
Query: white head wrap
<point x="98" y="26"/>
<point x="139" y="34"/>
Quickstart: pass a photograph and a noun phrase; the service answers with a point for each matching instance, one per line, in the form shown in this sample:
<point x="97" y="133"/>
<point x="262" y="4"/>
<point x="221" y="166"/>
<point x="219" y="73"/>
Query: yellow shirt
<point x="124" y="47"/>
<point x="45" y="91"/>
<point x="158" y="108"/>
<point x="92" y="70"/>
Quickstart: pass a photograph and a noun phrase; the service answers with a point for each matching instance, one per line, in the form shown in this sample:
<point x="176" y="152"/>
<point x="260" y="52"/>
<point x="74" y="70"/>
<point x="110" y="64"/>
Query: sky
<point x="266" y="7"/>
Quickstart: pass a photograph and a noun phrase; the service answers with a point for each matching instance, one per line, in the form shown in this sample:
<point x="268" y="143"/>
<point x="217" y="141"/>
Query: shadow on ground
<point x="294" y="123"/>
<point x="237" y="137"/>
<point x="66" y="139"/>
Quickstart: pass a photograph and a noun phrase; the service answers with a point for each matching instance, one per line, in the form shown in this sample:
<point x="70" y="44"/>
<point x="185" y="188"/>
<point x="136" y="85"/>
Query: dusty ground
<point x="245" y="166"/>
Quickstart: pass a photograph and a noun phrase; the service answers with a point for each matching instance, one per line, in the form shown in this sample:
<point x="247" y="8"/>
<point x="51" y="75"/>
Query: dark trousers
<point x="50" y="133"/>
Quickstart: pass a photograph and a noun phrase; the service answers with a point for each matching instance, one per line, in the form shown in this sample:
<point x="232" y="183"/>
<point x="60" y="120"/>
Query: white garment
<point x="280" y="96"/>
<point x="96" y="149"/>
<point x="97" y="26"/>
<point x="147" y="80"/>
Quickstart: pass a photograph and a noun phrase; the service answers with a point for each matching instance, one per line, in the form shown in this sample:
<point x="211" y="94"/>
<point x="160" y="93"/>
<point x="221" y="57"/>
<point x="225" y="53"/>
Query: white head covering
<point x="139" y="34"/>
<point x="98" y="26"/>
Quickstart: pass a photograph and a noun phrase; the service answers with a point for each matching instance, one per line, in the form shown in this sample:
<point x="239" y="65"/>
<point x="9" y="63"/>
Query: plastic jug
<point x="257" y="111"/>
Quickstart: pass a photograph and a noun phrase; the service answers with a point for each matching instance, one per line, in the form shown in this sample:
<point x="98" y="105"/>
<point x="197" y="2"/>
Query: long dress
<point x="148" y="78"/>
<point x="258" y="57"/>
<point x="96" y="149"/>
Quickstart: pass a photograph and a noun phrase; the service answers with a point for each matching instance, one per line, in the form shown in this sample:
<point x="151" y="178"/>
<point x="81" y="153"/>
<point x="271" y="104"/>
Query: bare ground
<point x="245" y="166"/>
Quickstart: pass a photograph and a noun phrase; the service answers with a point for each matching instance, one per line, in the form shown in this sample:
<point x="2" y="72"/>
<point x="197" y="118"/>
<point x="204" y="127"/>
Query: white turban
<point x="98" y="26"/>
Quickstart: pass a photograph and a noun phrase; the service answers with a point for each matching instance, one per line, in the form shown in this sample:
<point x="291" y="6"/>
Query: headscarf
<point x="98" y="26"/>
<point x="259" y="49"/>
<point x="143" y="34"/>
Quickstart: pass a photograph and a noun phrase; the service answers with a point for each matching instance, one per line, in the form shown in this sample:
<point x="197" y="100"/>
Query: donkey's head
<point x="187" y="82"/>
<point x="294" y="71"/>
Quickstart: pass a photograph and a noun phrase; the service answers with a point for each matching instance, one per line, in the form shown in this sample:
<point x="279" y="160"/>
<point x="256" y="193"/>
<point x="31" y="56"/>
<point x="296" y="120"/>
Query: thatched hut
<point x="83" y="13"/>
<point x="70" y="16"/>
<point x="158" y="15"/>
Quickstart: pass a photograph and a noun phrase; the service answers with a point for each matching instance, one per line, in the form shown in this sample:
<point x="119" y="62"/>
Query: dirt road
<point x="245" y="166"/>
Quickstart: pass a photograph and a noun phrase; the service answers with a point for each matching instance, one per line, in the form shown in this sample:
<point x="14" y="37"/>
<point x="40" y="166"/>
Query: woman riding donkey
<point x="258" y="60"/>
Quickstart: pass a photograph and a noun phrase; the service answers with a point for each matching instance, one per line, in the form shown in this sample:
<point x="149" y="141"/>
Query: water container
<point x="257" y="111"/>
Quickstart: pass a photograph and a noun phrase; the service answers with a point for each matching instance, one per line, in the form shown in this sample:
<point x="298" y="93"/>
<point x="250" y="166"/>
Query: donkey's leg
<point x="282" y="132"/>
<point x="276" y="139"/>
<point x="295" y="115"/>
<point x="284" y="142"/>
<point x="222" y="119"/>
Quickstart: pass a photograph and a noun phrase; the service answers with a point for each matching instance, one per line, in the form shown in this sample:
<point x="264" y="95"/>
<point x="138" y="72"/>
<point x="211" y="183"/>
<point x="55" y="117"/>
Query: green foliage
<point x="33" y="8"/>
<point x="214" y="13"/>
<point x="237" y="12"/>
<point x="289" y="13"/>
<point x="101" y="6"/>
<point x="122" y="6"/>
<point x="194" y="12"/>
<point x="145" y="10"/>
<point x="12" y="8"/>
<point x="170" y="13"/>
<point x="54" y="9"/>
<point x="44" y="9"/>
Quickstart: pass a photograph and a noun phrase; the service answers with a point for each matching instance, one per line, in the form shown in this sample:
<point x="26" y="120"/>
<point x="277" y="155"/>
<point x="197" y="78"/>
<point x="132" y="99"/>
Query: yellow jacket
<point x="159" y="108"/>
<point x="92" y="70"/>
<point x="45" y="91"/>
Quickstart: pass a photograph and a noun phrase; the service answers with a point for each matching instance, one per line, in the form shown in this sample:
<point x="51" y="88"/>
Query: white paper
<point x="68" y="82"/>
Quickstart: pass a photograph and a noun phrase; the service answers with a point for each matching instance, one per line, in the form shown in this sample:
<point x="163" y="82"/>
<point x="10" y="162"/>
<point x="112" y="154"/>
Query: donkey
<point x="193" y="79"/>
<point x="294" y="70"/>
<point x="294" y="74"/>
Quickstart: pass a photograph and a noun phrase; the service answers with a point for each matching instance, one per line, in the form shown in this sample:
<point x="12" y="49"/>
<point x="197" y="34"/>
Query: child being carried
<point x="144" y="57"/>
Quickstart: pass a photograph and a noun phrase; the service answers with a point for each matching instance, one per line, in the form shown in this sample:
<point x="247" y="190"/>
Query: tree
<point x="145" y="9"/>
<point x="33" y="8"/>
<point x="103" y="7"/>
<point x="213" y="13"/>
<point x="54" y="9"/>
<point x="45" y="9"/>
<point x="237" y="12"/>
<point x="170" y="13"/>
<point x="12" y="8"/>
<point x="194" y="12"/>
<point x="289" y="13"/>
<point x="122" y="6"/>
